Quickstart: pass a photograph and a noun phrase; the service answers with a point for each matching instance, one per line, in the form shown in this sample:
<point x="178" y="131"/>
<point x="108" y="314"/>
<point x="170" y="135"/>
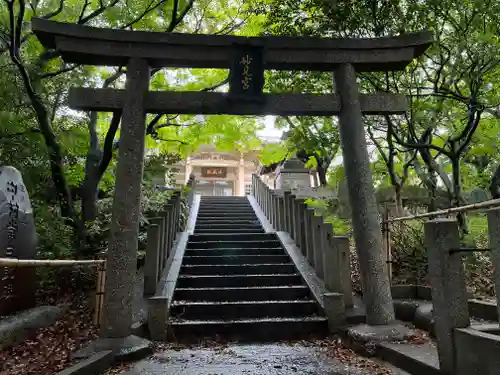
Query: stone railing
<point x="463" y="348"/>
<point x="328" y="254"/>
<point x="162" y="233"/>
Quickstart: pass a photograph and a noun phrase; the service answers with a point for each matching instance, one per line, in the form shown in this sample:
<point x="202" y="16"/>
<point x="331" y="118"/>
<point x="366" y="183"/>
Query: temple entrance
<point x="214" y="188"/>
<point x="246" y="58"/>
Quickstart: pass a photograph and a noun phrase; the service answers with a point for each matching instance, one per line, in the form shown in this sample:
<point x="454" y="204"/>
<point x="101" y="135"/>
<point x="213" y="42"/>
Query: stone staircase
<point x="238" y="281"/>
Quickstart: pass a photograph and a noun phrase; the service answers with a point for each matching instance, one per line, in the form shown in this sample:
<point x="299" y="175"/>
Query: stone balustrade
<point x="162" y="233"/>
<point x="328" y="254"/>
<point x="463" y="349"/>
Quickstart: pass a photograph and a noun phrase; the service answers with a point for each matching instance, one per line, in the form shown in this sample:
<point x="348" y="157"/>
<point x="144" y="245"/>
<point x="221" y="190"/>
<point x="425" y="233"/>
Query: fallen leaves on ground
<point x="48" y="350"/>
<point x="119" y="368"/>
<point x="335" y="348"/>
<point x="420" y="337"/>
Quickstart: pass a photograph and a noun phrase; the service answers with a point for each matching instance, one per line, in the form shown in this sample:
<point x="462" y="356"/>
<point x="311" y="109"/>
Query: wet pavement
<point x="269" y="359"/>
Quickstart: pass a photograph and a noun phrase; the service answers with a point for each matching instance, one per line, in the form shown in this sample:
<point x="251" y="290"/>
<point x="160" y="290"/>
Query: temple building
<point x="218" y="173"/>
<point x="226" y="173"/>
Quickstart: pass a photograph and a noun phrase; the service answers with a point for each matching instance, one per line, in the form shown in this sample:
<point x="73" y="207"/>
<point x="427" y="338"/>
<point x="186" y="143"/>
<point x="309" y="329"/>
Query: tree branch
<point x="56" y="12"/>
<point x="175" y="21"/>
<point x="61" y="71"/>
<point x="97" y="12"/>
<point x="148" y="10"/>
<point x="107" y="154"/>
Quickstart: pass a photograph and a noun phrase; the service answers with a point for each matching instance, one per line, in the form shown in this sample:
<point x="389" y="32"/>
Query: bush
<point x="54" y="236"/>
<point x="152" y="202"/>
<point x="408" y="253"/>
<point x="410" y="256"/>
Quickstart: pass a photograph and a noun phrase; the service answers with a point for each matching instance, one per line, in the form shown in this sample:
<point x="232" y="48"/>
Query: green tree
<point x="42" y="81"/>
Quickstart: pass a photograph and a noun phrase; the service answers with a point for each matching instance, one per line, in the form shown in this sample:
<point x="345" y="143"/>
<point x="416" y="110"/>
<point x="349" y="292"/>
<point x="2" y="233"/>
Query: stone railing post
<point x="152" y="261"/>
<point x="262" y="195"/>
<point x="253" y="185"/>
<point x="301" y="214"/>
<point x="280" y="214"/>
<point x="159" y="221"/>
<point x="272" y="219"/>
<point x="335" y="311"/>
<point x="158" y="317"/>
<point x="337" y="267"/>
<point x="494" y="234"/>
<point x="266" y="201"/>
<point x="309" y="238"/>
<point x="319" y="237"/>
<point x="332" y="265"/>
<point x="298" y="221"/>
<point x="175" y="202"/>
<point x="291" y="205"/>
<point x="191" y="184"/>
<point x="447" y="279"/>
<point x="167" y="223"/>
<point x="286" y="211"/>
<point x="275" y="210"/>
<point x="276" y="214"/>
<point x="341" y="243"/>
<point x="270" y="205"/>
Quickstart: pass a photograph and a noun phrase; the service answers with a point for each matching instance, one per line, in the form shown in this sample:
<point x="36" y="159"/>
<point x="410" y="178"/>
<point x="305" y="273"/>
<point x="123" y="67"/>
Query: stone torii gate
<point x="247" y="58"/>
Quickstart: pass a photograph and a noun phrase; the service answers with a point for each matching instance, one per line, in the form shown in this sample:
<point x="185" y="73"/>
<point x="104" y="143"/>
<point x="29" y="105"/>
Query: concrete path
<point x="269" y="359"/>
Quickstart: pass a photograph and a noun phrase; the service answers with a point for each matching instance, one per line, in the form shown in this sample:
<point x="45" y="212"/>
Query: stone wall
<point x="477" y="353"/>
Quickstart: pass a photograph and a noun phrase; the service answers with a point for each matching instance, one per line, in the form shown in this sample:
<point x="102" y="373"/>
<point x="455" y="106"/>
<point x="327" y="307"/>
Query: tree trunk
<point x="92" y="178"/>
<point x="495" y="184"/>
<point x="55" y="159"/>
<point x="399" y="199"/>
<point x="457" y="194"/>
<point x="54" y="152"/>
<point x="432" y="192"/>
<point x="321" y="174"/>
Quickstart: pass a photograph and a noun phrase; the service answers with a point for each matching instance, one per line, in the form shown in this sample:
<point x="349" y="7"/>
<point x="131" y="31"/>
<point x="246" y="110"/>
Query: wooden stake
<point x="387" y="242"/>
<point x="13" y="262"/>
<point x="99" y="294"/>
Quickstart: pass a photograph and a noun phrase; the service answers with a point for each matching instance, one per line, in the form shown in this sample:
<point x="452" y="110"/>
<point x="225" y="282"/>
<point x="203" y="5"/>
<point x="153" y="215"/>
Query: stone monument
<point x="18" y="239"/>
<point x="293" y="175"/>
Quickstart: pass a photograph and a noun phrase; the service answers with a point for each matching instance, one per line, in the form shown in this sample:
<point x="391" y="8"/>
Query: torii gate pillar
<point x="364" y="211"/>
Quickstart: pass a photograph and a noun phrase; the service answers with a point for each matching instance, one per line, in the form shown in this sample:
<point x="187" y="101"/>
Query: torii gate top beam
<point x="111" y="47"/>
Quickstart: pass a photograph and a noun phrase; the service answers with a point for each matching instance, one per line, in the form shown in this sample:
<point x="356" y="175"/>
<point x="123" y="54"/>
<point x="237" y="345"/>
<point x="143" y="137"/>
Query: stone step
<point x="416" y="359"/>
<point x="206" y="198"/>
<point x="237" y="269"/>
<point x="234" y="251"/>
<point x="229" y="218"/>
<point x="233" y="244"/>
<point x="242" y="223"/>
<point x="235" y="259"/>
<point x="225" y="205"/>
<point x="242" y="309"/>
<point x="215" y="219"/>
<point x="227" y="231"/>
<point x="260" y="293"/>
<point x="228" y="226"/>
<point x="232" y="237"/>
<point x="226" y="214"/>
<point x="264" y="329"/>
<point x="225" y="209"/>
<point x="229" y="281"/>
